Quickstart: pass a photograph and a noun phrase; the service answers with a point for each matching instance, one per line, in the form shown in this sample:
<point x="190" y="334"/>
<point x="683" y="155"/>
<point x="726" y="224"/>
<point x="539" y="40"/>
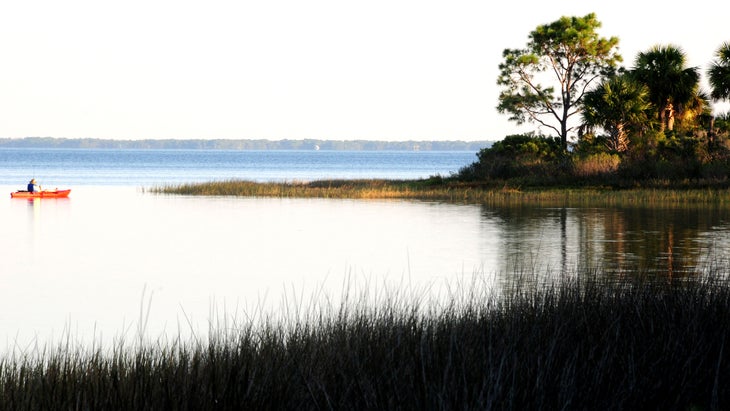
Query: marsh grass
<point x="583" y="343"/>
<point x="659" y="194"/>
<point x="362" y="189"/>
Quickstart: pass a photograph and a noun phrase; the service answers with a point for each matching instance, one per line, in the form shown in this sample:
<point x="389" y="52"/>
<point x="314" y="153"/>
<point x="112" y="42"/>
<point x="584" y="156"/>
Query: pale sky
<point x="274" y="69"/>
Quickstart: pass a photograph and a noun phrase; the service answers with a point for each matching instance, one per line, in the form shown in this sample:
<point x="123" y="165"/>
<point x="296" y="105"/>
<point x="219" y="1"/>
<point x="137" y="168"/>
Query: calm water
<point x="153" y="167"/>
<point x="88" y="265"/>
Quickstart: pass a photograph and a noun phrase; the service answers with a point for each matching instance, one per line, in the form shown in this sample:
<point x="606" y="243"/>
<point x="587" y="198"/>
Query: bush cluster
<point x="529" y="159"/>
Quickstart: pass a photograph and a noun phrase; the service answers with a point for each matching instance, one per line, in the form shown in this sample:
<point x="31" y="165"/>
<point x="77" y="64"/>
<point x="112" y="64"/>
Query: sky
<point x="389" y="70"/>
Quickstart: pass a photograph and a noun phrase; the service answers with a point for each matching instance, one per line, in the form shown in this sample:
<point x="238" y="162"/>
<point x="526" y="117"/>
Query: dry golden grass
<point x="602" y="164"/>
<point x="667" y="195"/>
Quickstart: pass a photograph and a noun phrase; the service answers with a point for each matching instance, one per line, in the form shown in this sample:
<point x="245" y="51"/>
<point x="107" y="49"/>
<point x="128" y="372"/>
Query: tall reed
<point x="580" y="344"/>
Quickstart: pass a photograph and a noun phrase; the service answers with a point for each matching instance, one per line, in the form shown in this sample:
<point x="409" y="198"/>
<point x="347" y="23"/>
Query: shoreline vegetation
<point x="584" y="343"/>
<point x="655" y="194"/>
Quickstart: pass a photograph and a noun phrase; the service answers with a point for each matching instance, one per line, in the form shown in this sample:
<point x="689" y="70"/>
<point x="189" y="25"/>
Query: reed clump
<point x="578" y="344"/>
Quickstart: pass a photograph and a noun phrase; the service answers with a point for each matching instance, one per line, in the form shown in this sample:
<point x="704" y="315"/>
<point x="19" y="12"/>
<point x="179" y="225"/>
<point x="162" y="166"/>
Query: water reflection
<point x="615" y="241"/>
<point x="35" y="207"/>
<point x="84" y="262"/>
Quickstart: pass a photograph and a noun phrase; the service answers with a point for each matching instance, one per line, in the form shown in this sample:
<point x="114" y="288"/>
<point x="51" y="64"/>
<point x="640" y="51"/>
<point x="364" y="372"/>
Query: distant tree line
<point x="607" y="123"/>
<point x="260" y="144"/>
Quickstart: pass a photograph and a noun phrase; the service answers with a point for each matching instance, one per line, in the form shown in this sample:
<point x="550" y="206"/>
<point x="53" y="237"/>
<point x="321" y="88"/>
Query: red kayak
<point x="41" y="194"/>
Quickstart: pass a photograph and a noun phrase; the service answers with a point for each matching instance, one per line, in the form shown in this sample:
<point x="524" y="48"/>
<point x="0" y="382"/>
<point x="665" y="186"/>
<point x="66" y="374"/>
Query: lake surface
<point x="155" y="167"/>
<point x="112" y="259"/>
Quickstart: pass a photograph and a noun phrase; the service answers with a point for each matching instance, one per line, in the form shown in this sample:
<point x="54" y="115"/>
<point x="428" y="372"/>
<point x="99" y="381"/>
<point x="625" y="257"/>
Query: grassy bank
<point x="663" y="194"/>
<point x="577" y="345"/>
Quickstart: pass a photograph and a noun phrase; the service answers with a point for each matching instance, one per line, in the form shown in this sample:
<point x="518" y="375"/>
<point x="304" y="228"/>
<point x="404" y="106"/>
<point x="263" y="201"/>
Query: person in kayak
<point x="33" y="187"/>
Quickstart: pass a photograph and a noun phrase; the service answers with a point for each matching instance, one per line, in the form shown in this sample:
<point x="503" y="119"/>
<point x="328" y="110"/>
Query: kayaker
<point x="33" y="187"/>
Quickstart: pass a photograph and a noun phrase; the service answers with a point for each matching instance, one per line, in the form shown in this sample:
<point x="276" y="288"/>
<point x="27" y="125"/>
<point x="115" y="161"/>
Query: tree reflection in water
<point x="543" y="244"/>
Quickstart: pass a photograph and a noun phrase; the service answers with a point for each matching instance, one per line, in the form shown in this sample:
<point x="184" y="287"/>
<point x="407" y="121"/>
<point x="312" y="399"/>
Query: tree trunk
<point x="620" y="139"/>
<point x="669" y="116"/>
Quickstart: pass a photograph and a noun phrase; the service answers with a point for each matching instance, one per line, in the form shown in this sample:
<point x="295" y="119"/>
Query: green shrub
<point x="521" y="155"/>
<point x="715" y="170"/>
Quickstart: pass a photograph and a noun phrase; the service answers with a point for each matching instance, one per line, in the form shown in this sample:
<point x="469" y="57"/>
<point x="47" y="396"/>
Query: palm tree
<point x="672" y="86"/>
<point x="694" y="109"/>
<point x="719" y="73"/>
<point x="620" y="106"/>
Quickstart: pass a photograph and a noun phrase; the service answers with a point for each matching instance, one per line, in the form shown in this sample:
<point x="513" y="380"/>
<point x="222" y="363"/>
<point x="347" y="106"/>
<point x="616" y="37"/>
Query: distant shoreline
<point x="240" y="144"/>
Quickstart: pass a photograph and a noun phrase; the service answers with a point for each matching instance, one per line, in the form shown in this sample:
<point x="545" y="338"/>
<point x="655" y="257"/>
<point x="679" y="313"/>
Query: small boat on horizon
<point x="41" y="194"/>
